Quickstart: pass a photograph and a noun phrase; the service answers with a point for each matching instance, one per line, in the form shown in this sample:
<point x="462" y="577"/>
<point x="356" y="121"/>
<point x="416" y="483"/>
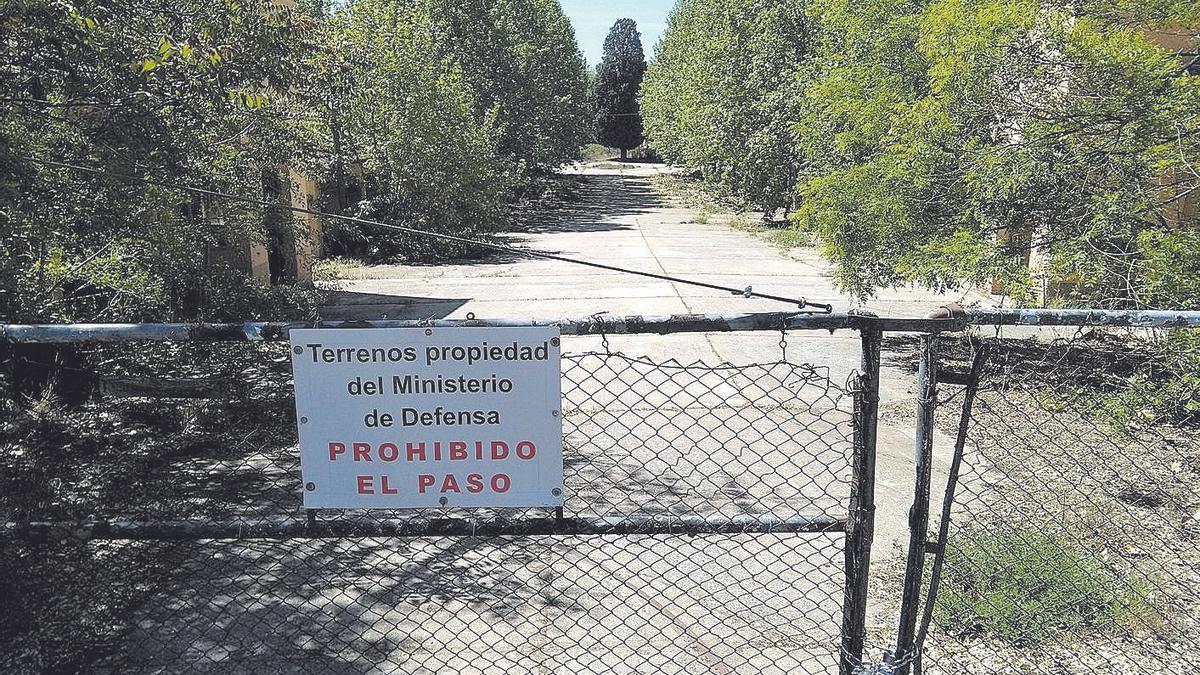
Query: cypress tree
<point x="618" y="81"/>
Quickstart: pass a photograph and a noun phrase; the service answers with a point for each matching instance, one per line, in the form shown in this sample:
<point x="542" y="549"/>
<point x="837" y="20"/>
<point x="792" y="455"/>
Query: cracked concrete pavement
<point x="621" y="219"/>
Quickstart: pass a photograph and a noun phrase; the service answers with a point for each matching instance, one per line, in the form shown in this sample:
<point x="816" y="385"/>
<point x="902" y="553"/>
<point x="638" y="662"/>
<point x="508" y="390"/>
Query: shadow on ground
<point x="600" y="202"/>
<point x="355" y="306"/>
<point x="774" y="441"/>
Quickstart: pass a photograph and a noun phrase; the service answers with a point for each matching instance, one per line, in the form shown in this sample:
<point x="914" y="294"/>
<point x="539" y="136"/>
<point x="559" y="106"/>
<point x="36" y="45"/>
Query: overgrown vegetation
<point x="942" y="142"/>
<point x="1166" y="391"/>
<point x="182" y="95"/>
<point x="1128" y="384"/>
<point x="1027" y="585"/>
<point x="426" y="113"/>
<point x="67" y="603"/>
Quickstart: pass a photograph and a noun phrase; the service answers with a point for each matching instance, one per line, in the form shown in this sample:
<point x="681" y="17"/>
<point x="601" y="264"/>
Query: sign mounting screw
<point x="443" y="501"/>
<point x="310" y="486"/>
<point x="299" y="350"/>
<point x="556" y="492"/>
<point x="303" y="420"/>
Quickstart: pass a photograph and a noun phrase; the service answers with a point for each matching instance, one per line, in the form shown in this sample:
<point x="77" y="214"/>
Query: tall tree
<point x="195" y="92"/>
<point x="721" y="95"/>
<point x="520" y="61"/>
<point x="618" y="82"/>
<point x="408" y="125"/>
<point x="945" y="141"/>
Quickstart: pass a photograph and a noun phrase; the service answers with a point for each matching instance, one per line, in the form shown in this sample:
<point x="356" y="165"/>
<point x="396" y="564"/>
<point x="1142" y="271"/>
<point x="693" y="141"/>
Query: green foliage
<point x="722" y="91"/>
<point x="193" y="95"/>
<point x="618" y="80"/>
<point x="950" y="137"/>
<point x="947" y="142"/>
<point x="1147" y="385"/>
<point x="593" y="152"/>
<point x="426" y="113"/>
<point x="526" y="75"/>
<point x="443" y="114"/>
<point x="1026" y="585"/>
<point x="407" y="121"/>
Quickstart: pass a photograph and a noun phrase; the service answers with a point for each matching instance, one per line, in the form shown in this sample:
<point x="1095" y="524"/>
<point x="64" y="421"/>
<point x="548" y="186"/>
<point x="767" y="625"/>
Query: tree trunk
<point x="624" y="153"/>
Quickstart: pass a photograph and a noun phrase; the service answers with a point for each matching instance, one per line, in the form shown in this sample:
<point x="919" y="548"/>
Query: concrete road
<point x="621" y="219"/>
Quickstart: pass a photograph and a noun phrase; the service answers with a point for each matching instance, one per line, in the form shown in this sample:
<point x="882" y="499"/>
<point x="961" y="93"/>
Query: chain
<point x="888" y="666"/>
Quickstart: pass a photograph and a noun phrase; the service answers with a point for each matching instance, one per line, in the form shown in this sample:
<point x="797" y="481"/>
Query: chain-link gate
<point x="160" y="527"/>
<point x="1065" y="503"/>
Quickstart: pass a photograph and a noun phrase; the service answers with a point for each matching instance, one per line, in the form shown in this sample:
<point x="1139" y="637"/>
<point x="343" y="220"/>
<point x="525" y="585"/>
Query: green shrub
<point x="233" y="296"/>
<point x="594" y="152"/>
<point x="1124" y="383"/>
<point x="1024" y="585"/>
<point x="741" y="222"/>
<point x="1165" y="387"/>
<point x="793" y="237"/>
<point x="523" y="70"/>
<point x="720" y="96"/>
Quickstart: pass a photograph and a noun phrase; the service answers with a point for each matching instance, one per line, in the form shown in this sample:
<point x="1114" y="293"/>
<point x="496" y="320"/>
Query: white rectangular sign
<point x="414" y="418"/>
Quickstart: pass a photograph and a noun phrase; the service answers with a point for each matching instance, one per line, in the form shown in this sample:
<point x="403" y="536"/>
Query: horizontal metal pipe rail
<point x="1083" y="317"/>
<point x="277" y="331"/>
<point x="944" y="320"/>
<point x="325" y="527"/>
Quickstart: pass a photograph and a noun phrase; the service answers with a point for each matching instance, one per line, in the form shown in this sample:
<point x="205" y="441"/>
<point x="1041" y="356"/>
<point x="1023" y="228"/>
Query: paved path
<point x="620" y="219"/>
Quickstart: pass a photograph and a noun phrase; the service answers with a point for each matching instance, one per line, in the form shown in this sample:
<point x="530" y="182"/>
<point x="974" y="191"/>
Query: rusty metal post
<point x="939" y="551"/>
<point x="918" y="515"/>
<point x="7" y="374"/>
<point x="860" y="522"/>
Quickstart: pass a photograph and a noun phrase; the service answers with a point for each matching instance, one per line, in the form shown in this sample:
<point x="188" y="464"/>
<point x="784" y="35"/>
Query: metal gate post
<point x="860" y="522"/>
<point x="918" y="515"/>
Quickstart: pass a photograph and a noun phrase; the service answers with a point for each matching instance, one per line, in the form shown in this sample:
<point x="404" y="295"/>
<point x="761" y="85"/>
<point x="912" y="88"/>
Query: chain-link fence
<point x="718" y="517"/>
<point x="158" y="527"/>
<point x="1074" y="537"/>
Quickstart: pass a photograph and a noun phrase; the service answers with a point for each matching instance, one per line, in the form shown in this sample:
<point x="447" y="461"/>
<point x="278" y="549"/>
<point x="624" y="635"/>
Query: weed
<point x="1024" y="585"/>
<point x="1128" y="385"/>
<point x="594" y="152"/>
<point x="741" y="222"/>
<point x="690" y="191"/>
<point x="332" y="270"/>
<point x="792" y="237"/>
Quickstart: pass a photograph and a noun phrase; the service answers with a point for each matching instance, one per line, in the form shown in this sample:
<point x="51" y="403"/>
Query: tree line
<point x="1027" y="143"/>
<point x="432" y="114"/>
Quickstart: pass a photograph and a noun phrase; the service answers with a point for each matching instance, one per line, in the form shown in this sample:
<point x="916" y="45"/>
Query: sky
<point x="593" y="18"/>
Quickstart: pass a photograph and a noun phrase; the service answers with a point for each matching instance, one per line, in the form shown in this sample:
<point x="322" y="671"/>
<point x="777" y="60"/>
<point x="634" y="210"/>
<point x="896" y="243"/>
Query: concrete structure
<point x="302" y="247"/>
<point x="1185" y="42"/>
<point x="287" y="255"/>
